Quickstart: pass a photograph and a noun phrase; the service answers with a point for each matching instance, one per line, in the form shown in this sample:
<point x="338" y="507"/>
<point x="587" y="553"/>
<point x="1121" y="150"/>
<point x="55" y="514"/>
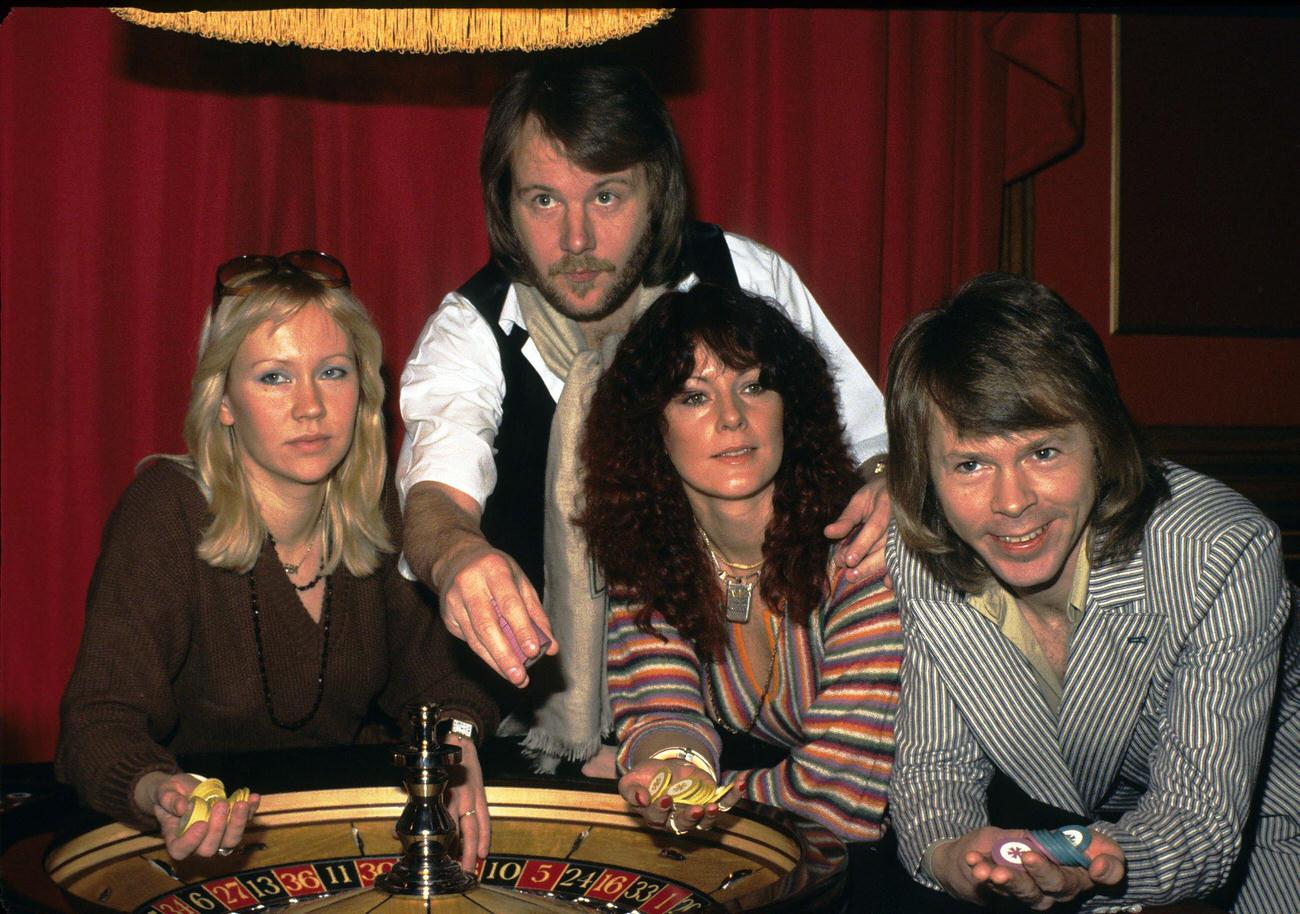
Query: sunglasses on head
<point x="249" y="268"/>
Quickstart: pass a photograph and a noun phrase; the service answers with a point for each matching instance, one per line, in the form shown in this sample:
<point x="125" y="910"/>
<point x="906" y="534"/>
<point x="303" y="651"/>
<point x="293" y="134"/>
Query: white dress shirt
<point x="453" y="387"/>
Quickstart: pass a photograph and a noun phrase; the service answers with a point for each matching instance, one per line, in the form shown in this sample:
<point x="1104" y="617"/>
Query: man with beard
<point x="585" y="198"/>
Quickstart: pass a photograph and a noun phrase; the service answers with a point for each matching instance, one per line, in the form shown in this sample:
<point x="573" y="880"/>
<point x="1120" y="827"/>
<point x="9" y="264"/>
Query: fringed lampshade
<point x="421" y="31"/>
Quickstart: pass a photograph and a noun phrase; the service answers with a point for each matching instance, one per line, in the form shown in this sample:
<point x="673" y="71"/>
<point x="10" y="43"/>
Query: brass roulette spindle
<point x="425" y="828"/>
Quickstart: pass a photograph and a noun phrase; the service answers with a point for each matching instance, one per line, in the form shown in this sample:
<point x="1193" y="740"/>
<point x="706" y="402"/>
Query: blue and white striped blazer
<point x="1167" y="695"/>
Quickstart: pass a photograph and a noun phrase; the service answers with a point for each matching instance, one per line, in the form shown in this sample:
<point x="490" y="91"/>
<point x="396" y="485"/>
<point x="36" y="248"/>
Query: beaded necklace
<point x="261" y="660"/>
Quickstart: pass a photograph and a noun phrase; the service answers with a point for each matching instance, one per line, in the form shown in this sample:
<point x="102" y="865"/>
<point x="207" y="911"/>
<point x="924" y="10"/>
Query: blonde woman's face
<point x="291" y="398"/>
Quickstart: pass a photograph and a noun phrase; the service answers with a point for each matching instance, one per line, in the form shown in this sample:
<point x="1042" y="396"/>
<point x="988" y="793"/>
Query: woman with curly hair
<point x="714" y="458"/>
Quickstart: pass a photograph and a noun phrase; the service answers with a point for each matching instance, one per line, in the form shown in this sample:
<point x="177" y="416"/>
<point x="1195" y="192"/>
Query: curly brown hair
<point x="639" y="525"/>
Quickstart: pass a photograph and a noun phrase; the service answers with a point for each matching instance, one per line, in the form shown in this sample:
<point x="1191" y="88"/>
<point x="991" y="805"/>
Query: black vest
<point x="513" y="515"/>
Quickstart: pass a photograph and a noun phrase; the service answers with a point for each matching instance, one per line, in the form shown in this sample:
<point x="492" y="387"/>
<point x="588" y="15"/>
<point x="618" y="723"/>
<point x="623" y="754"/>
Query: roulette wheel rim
<point x="803" y="864"/>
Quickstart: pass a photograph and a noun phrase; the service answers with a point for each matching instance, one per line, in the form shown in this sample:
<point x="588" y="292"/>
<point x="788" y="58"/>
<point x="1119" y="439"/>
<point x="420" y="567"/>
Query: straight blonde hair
<point x="355" y="532"/>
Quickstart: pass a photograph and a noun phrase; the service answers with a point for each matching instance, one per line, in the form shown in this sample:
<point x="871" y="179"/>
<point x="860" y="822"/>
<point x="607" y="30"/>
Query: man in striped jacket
<point x="1092" y="636"/>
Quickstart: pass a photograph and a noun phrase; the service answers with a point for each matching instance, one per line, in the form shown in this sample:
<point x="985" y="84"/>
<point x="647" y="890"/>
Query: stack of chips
<point x="205" y="794"/>
<point x="687" y="791"/>
<point x="1064" y="847"/>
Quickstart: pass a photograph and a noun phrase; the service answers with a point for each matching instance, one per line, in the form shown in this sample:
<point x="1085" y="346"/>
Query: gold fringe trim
<point x="418" y="31"/>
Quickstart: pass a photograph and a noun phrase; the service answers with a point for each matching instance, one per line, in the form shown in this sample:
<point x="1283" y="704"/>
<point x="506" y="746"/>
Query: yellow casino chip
<point x="210" y="789"/>
<point x="659" y="783"/>
<point x="199" y="812"/>
<point x="240" y="796"/>
<point x="722" y="792"/>
<point x="708" y="795"/>
<point x="697" y="797"/>
<point x="682" y="788"/>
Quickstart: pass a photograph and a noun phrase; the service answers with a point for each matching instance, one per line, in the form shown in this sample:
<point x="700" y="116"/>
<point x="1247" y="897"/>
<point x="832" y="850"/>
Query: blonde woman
<point x="246" y="595"/>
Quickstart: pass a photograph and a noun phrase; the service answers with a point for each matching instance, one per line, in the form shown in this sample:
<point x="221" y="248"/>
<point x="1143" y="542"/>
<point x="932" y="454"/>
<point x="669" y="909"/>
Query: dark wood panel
<point x="1209" y="191"/>
<point x="1262" y="464"/>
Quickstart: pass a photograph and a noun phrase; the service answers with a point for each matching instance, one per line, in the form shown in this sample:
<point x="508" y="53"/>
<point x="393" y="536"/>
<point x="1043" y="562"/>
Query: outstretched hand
<point x="479" y="587"/>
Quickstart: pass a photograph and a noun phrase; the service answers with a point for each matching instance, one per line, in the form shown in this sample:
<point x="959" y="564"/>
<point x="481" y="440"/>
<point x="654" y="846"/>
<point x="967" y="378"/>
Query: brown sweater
<point x="168" y="660"/>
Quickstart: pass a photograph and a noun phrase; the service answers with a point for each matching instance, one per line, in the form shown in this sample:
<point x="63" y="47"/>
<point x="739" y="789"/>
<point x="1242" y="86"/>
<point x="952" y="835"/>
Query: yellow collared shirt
<point x="1000" y="607"/>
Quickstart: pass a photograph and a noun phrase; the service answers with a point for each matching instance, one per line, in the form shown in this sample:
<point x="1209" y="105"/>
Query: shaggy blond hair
<point x="1005" y="356"/>
<point x="354" y="525"/>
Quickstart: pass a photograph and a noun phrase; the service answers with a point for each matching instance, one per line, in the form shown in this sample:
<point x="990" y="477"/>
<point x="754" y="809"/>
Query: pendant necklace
<point x="291" y="568"/>
<point x="739" y="590"/>
<point x="320" y="573"/>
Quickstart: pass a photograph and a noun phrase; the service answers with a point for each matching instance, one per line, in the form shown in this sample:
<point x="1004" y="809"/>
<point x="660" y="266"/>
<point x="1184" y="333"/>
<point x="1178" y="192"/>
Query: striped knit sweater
<point x="832" y="701"/>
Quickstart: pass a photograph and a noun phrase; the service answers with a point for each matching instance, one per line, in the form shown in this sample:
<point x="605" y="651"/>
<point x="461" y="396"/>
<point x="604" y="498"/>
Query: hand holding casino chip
<point x="1014" y="864"/>
<point x="194" y="813"/>
<point x="674" y="794"/>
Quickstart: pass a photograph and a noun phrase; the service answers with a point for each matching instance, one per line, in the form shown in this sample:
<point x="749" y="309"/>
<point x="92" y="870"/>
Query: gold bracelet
<point x="690" y="756"/>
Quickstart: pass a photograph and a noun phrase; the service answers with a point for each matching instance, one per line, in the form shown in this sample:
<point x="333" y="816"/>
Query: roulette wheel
<point x="557" y="845"/>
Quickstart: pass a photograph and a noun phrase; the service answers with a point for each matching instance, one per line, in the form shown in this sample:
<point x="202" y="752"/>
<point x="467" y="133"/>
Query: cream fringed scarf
<point x="572" y="713"/>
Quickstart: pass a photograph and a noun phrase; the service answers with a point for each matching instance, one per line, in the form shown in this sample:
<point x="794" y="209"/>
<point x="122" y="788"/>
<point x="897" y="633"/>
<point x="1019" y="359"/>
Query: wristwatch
<point x="454" y="725"/>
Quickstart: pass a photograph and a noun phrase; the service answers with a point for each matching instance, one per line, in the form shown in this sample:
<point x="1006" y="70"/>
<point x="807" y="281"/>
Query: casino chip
<point x="1010" y="851"/>
<point x="199" y="812"/>
<point x="1059" y="846"/>
<point x="206" y="793"/>
<point x="210" y="789"/>
<point x="682" y="788"/>
<point x="696" y="792"/>
<point x="659" y="783"/>
<point x="687" y="791"/>
<point x="1064" y="847"/>
<point x="543" y="642"/>
<point x="1077" y="835"/>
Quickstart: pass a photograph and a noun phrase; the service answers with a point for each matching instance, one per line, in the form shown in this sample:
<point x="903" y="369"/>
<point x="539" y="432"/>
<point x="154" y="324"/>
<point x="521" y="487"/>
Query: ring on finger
<point x="676" y="830"/>
<point x="225" y="851"/>
<point x="468" y="812"/>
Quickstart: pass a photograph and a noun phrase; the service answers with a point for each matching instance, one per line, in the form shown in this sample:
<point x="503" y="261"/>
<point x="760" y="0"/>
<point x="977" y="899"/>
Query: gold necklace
<point x="708" y="674"/>
<point x="739" y="590"/>
<point x="291" y="568"/>
<point x="708" y="544"/>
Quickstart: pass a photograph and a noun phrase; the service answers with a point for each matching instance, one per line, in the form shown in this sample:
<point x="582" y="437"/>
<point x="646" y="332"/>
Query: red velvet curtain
<point x="868" y="147"/>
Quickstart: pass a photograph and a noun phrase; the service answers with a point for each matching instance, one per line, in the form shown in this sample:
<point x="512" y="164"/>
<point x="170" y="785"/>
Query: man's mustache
<point x="579" y="263"/>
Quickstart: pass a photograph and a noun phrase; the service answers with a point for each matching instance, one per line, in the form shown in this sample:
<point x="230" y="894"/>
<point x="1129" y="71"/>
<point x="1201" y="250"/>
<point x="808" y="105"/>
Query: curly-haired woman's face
<point x="724" y="432"/>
